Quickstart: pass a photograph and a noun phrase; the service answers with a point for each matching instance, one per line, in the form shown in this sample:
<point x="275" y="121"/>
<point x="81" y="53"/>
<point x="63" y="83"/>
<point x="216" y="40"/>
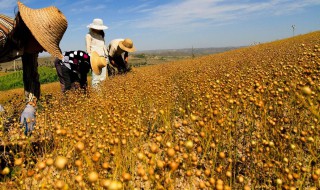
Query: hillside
<point x="243" y="119"/>
<point x="187" y="51"/>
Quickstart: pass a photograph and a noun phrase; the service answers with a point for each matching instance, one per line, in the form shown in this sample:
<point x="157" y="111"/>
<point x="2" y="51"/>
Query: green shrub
<point x="15" y="80"/>
<point x="140" y="56"/>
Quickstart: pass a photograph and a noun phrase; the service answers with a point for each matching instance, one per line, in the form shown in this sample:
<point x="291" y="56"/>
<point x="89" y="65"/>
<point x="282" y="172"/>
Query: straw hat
<point x="97" y="24"/>
<point x="47" y="25"/>
<point x="97" y="63"/>
<point x="127" y="45"/>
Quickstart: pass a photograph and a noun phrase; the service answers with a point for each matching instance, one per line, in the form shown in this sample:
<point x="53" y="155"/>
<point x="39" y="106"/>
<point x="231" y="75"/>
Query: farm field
<point x="242" y="119"/>
<point x="11" y="72"/>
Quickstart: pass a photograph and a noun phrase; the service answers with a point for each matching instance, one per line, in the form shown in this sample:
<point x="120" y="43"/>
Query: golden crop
<point x="243" y="119"/>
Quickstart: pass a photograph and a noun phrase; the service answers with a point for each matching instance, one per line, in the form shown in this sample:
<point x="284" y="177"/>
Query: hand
<point x="28" y="119"/>
<point x="113" y="63"/>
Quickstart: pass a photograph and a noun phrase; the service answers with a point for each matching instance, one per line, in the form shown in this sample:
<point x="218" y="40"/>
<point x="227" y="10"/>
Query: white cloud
<point x="196" y="12"/>
<point x="144" y="7"/>
<point x="87" y="8"/>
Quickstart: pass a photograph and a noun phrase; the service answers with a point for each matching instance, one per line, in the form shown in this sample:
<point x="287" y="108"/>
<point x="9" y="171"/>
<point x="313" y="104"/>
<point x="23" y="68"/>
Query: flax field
<point x="243" y="119"/>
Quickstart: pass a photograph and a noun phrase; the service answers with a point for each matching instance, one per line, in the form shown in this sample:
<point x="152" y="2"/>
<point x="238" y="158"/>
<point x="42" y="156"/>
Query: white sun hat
<point x="97" y="24"/>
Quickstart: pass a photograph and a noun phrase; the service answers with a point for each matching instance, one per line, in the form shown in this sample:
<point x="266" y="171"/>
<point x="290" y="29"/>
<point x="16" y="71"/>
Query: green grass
<point x="3" y="73"/>
<point x="15" y="79"/>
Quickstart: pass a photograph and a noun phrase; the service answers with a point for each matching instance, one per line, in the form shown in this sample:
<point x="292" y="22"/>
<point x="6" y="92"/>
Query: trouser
<point x="96" y="79"/>
<point x="69" y="79"/>
<point x="31" y="77"/>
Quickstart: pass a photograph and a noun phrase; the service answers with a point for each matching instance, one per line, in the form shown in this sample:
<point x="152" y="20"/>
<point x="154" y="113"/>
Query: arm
<point x="110" y="55"/>
<point x="32" y="90"/>
<point x="105" y="51"/>
<point x="88" y="43"/>
<point x="112" y="62"/>
<point x="126" y="57"/>
<point x="9" y="49"/>
<point x="31" y="77"/>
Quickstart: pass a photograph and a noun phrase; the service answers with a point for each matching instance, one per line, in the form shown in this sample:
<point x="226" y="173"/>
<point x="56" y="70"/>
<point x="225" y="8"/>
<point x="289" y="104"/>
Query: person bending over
<point x="73" y="68"/>
<point x="29" y="33"/>
<point x="118" y="54"/>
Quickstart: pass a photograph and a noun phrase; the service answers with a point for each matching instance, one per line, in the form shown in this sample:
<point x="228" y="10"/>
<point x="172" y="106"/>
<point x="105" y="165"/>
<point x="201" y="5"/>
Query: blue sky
<point x="163" y="24"/>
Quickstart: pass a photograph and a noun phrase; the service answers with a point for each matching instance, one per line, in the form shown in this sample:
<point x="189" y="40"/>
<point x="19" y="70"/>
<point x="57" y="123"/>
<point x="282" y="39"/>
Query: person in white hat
<point x="72" y="70"/>
<point x="31" y="32"/>
<point x="118" y="54"/>
<point x="95" y="42"/>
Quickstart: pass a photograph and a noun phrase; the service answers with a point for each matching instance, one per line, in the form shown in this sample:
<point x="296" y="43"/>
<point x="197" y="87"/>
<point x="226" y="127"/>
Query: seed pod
<point x="315" y="177"/>
<point x="207" y="172"/>
<point x="30" y="173"/>
<point x="5" y="171"/>
<point x="141" y="172"/>
<point x="49" y="161"/>
<point x="171" y="152"/>
<point x="93" y="176"/>
<point x="41" y="165"/>
<point x="126" y="176"/>
<point x="60" y="184"/>
<point x="18" y="161"/>
<point x="240" y="179"/>
<point x="279" y="181"/>
<point x="154" y="148"/>
<point x="202" y="185"/>
<point x="140" y="156"/>
<point x="222" y="155"/>
<point x="306" y="90"/>
<point x="79" y="178"/>
<point x="174" y="166"/>
<point x="115" y="185"/>
<point x="160" y="164"/>
<point x="189" y="144"/>
<point x="96" y="156"/>
<point x="61" y="162"/>
<point x="79" y="146"/>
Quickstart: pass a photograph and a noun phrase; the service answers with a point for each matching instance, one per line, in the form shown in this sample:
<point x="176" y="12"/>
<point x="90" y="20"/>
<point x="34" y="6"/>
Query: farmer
<point x="74" y="67"/>
<point x="95" y="42"/>
<point x="31" y="32"/>
<point x="118" y="53"/>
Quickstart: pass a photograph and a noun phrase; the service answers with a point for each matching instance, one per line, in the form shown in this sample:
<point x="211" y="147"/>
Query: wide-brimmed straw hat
<point x="97" y="62"/>
<point x="127" y="45"/>
<point x="97" y="24"/>
<point x="47" y="25"/>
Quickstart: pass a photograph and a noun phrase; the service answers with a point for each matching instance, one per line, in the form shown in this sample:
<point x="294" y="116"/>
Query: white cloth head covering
<point x="97" y="24"/>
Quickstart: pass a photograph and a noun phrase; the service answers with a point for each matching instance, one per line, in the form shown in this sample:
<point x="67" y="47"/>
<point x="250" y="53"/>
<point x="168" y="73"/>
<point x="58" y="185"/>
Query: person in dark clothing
<point x="29" y="33"/>
<point x="74" y="67"/>
<point x="118" y="55"/>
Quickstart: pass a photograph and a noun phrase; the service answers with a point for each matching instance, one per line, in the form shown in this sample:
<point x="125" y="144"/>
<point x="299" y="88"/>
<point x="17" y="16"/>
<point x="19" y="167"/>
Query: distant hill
<point x="187" y="51"/>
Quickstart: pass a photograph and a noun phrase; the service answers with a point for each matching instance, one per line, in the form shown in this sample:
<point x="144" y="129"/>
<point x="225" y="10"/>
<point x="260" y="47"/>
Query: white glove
<point x="28" y="119"/>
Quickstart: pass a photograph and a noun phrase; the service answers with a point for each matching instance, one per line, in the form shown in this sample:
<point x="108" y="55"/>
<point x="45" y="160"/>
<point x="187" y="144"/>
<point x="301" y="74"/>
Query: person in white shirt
<point x="118" y="54"/>
<point x="95" y="42"/>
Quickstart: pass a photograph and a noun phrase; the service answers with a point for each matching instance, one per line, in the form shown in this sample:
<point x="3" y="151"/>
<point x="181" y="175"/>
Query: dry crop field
<point x="243" y="119"/>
